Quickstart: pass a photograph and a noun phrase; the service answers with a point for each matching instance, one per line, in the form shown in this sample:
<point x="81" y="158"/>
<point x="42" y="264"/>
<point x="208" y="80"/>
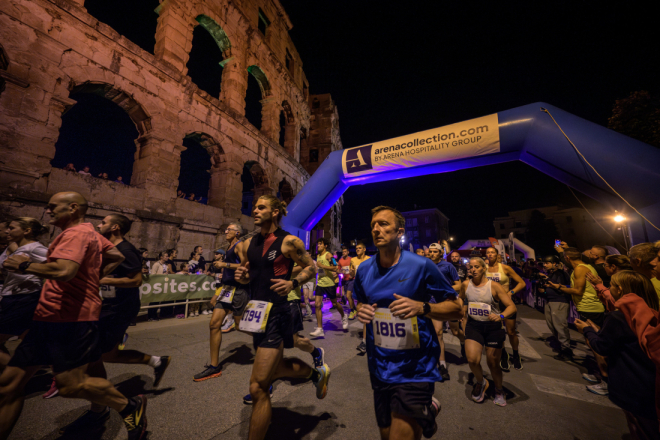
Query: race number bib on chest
<point x="227" y="294"/>
<point x="345" y="270"/>
<point x="255" y="316"/>
<point x="394" y="333"/>
<point x="479" y="311"/>
<point x="107" y="291"/>
<point x="494" y="276"/>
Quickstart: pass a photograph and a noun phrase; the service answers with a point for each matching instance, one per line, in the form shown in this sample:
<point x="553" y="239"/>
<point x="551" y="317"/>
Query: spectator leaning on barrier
<point x="85" y="171"/>
<point x="557" y="305"/>
<point x="614" y="264"/>
<point x="146" y="264"/>
<point x="202" y="261"/>
<point x="70" y="167"/>
<point x="158" y="268"/>
<point x="171" y="265"/>
<point x="643" y="259"/>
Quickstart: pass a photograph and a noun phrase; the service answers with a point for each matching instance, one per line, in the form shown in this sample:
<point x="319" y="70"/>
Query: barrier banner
<point x="475" y="137"/>
<point x="157" y="288"/>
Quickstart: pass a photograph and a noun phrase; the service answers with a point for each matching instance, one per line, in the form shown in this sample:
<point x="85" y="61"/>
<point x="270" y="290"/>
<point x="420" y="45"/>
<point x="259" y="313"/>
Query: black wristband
<point x="427" y="308"/>
<point x="296" y="283"/>
<point x="24" y="266"/>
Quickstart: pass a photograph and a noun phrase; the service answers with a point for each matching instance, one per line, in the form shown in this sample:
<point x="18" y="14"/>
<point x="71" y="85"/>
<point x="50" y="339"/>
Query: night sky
<point x="395" y="68"/>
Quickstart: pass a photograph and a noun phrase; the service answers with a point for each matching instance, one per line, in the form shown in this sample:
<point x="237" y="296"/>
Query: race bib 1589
<point x="395" y="333"/>
<point x="255" y="316"/>
<point x="479" y="311"/>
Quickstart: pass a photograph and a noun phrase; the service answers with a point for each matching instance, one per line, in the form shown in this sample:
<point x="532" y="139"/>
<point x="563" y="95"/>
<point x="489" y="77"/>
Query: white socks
<point x="154" y="361"/>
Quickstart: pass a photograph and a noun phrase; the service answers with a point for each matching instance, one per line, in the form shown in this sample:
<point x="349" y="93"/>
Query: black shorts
<point x="412" y="399"/>
<point x="329" y="292"/>
<point x="296" y="316"/>
<point x="597" y="318"/>
<point x="16" y="312"/>
<point x="238" y="303"/>
<point x="63" y="345"/>
<point x="116" y="315"/>
<point x="502" y="307"/>
<point x="279" y="328"/>
<point x="487" y="333"/>
<point x="349" y="286"/>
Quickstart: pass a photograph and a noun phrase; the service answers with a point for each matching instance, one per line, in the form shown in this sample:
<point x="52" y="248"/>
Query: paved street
<point x="546" y="400"/>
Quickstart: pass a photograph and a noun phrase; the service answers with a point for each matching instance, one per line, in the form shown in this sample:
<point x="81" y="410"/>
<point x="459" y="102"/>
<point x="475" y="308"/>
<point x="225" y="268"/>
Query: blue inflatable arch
<point x="528" y="134"/>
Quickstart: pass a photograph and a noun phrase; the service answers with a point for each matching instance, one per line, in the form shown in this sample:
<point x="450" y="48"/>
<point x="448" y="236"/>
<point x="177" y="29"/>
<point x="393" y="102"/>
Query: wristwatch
<point x="24" y="266"/>
<point x="427" y="309"/>
<point x="228" y="265"/>
<point x="501" y="316"/>
<point x="296" y="283"/>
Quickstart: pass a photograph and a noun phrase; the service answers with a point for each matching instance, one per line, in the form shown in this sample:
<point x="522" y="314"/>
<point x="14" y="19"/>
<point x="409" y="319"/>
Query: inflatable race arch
<point x="526" y="133"/>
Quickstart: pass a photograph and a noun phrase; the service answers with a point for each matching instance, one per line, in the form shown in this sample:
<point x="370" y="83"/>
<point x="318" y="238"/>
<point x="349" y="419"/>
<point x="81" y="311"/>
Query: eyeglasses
<point x="234" y="230"/>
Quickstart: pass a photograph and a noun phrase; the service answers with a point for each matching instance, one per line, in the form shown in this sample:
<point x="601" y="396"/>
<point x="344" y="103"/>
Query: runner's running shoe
<point x="351" y="315"/>
<point x="322" y="383"/>
<point x="320" y="359"/>
<point x="136" y="422"/>
<point x="500" y="398"/>
<point x="362" y="348"/>
<point x="122" y="344"/>
<point x="52" y="392"/>
<point x="443" y="372"/>
<point x="89" y="421"/>
<point x="599" y="388"/>
<point x="517" y="362"/>
<point x="589" y="377"/>
<point x="504" y="361"/>
<point x="435" y="408"/>
<point x="479" y="391"/>
<point x="248" y="398"/>
<point x="159" y="371"/>
<point x="309" y="310"/>
<point x="318" y="333"/>
<point x="209" y="373"/>
<point x="344" y="322"/>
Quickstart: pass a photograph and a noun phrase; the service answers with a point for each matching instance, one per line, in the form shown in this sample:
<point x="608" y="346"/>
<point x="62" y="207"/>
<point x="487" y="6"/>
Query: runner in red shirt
<point x="346" y="281"/>
<point x="65" y="329"/>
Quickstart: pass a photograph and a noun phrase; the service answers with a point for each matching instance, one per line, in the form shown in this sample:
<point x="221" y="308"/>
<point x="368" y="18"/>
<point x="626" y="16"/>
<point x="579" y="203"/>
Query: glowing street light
<point x="619" y="218"/>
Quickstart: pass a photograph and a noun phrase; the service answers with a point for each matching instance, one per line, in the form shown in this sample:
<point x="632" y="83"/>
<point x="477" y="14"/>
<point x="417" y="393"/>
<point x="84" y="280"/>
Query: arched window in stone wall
<point x="200" y="163"/>
<point x="135" y="20"/>
<point x="206" y="60"/>
<point x="285" y="191"/>
<point x="255" y="184"/>
<point x="258" y="111"/>
<point x="100" y="131"/>
<point x="290" y="131"/>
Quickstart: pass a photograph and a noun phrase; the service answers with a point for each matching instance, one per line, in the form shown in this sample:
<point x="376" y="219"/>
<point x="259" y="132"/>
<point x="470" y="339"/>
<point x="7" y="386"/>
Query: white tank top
<point x="482" y="294"/>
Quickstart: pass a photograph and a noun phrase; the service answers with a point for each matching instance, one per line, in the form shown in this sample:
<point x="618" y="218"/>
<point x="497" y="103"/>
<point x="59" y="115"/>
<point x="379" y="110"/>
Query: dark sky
<point x="395" y="68"/>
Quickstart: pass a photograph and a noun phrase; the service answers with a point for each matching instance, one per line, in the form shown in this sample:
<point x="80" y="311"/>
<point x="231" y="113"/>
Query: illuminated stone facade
<point x="53" y="48"/>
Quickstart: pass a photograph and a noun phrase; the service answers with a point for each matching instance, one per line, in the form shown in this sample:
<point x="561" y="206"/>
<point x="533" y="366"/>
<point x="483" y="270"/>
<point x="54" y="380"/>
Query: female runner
<point x="484" y="328"/>
<point x="501" y="273"/>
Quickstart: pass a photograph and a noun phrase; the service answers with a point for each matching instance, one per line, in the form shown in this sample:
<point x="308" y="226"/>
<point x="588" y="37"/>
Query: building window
<point x="313" y="155"/>
<point x="289" y="62"/>
<point x="264" y="22"/>
<point x="426" y="219"/>
<point x="518" y="224"/>
<point x="501" y="225"/>
<point x="569" y="219"/>
<point x="316" y="103"/>
<point x="414" y="220"/>
<point x="415" y="234"/>
<point x="428" y="232"/>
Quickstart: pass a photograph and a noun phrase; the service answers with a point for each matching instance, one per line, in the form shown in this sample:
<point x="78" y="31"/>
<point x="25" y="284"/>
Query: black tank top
<point x="228" y="274"/>
<point x="267" y="262"/>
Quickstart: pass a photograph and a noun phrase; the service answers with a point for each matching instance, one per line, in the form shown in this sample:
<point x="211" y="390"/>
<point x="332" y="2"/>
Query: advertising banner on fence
<point x="156" y="288"/>
<point x="475" y="137"/>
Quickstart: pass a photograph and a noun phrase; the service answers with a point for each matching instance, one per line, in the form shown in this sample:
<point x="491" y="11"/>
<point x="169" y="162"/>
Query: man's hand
<point x="366" y="313"/>
<point x="591" y="324"/>
<point x="405" y="308"/>
<point x="581" y="325"/>
<point x="14" y="261"/>
<point x="594" y="279"/>
<point x="554" y="285"/>
<point x="241" y="274"/>
<point x="493" y="317"/>
<point x="561" y="247"/>
<point x="281" y="287"/>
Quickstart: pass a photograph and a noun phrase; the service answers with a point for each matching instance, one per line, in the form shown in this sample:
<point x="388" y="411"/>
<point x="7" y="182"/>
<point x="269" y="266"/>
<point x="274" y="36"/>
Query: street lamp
<point x="625" y="229"/>
<point x="451" y="238"/>
<point x="619" y="218"/>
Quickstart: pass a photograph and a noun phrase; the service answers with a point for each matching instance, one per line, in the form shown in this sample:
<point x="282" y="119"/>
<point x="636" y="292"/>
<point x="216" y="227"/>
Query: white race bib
<point x="495" y="276"/>
<point x="479" y="311"/>
<point x="345" y="269"/>
<point x="255" y="316"/>
<point x="107" y="291"/>
<point x="395" y="333"/>
<point x="227" y="294"/>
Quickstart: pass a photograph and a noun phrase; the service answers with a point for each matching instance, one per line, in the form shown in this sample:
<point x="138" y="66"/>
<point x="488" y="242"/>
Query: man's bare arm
<point x="331" y="268"/>
<point x="241" y="274"/>
<point x="111" y="259"/>
<point x="59" y="270"/>
<point x="133" y="280"/>
<point x="295" y="249"/>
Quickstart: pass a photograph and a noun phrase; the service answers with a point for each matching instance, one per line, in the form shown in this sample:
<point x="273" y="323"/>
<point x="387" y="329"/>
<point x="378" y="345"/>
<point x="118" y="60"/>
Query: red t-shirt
<point x="344" y="264"/>
<point x="78" y="299"/>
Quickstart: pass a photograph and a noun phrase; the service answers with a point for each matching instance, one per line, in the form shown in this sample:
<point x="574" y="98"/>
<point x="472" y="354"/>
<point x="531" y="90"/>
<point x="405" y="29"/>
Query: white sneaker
<point x="196" y="312"/>
<point x="205" y="312"/>
<point x="589" y="377"/>
<point x="309" y="310"/>
<point x="191" y="315"/>
<point x="599" y="388"/>
<point x="318" y="333"/>
<point x="344" y="322"/>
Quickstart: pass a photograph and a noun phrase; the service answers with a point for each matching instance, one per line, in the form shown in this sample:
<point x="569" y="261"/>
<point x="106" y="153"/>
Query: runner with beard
<point x="266" y="264"/>
<point x="393" y="292"/>
<point x="230" y="297"/>
<point x="121" y="304"/>
<point x="461" y="269"/>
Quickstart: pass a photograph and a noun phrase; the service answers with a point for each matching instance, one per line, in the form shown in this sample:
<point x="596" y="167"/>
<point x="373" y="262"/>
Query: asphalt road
<point x="546" y="400"/>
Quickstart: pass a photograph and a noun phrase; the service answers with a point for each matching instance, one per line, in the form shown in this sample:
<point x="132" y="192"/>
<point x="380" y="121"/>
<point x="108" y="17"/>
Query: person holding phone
<point x="557" y="305"/>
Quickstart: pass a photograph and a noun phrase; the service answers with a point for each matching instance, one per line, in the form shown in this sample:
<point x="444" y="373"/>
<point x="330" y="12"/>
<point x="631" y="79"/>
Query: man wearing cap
<point x="557" y="305"/>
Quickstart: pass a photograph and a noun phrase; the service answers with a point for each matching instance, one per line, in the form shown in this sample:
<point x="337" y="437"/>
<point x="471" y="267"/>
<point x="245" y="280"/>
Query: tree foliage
<point x="541" y="233"/>
<point x="637" y="116"/>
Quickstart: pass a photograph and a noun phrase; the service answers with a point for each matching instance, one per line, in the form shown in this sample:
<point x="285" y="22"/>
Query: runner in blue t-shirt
<point x="393" y="292"/>
<point x="451" y="274"/>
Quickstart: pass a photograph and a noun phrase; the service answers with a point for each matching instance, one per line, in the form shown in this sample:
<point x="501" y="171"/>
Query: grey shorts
<point x="239" y="302"/>
<point x="309" y="286"/>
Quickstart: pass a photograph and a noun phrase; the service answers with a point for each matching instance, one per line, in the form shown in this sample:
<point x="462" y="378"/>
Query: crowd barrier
<point x="531" y="297"/>
<point x="192" y="289"/>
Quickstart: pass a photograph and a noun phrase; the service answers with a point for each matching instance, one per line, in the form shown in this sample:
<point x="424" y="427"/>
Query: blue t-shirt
<point x="414" y="277"/>
<point x="449" y="271"/>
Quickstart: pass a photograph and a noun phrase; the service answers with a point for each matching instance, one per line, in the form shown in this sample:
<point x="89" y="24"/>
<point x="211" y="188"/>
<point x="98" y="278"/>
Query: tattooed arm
<point x="294" y="248"/>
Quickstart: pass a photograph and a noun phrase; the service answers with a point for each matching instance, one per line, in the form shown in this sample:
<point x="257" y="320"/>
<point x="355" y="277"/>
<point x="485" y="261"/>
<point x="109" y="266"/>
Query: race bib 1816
<point x="227" y="294"/>
<point x="395" y="333"/>
<point x="255" y="316"/>
<point x="479" y="311"/>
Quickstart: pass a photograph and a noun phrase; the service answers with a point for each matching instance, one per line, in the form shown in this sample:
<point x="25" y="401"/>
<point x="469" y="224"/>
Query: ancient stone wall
<point x="53" y="48"/>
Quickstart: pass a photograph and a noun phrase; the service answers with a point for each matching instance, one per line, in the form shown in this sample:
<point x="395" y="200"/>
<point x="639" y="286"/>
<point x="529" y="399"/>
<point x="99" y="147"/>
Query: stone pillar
<point x="270" y="118"/>
<point x="173" y="36"/>
<point x="156" y="169"/>
<point x="226" y="188"/>
<point x="234" y="82"/>
<point x="292" y="140"/>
